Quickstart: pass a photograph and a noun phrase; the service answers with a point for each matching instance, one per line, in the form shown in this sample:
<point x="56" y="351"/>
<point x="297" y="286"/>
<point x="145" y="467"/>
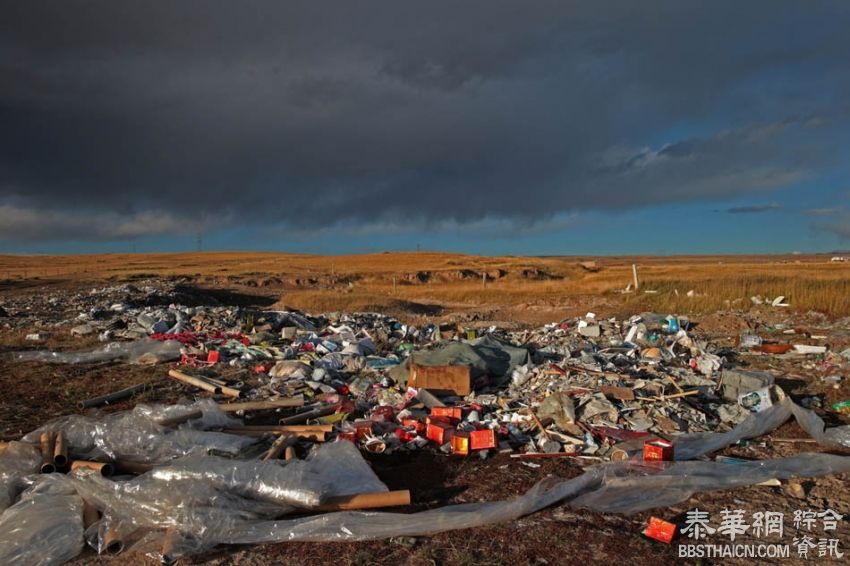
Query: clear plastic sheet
<point x="203" y="508"/>
<point x="139" y="351"/>
<point x="264" y="480"/>
<point x="691" y="446"/>
<point x="136" y="435"/>
<point x="16" y="461"/>
<point x="334" y="469"/>
<point x="631" y="487"/>
<point x="45" y="527"/>
<point x="199" y="501"/>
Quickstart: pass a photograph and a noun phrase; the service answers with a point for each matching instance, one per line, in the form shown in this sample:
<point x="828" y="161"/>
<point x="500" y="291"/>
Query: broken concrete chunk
<point x="739" y="382"/>
<point x="559" y="407"/>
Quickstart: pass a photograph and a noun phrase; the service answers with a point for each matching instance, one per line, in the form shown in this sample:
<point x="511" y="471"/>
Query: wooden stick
<point x="289" y="453"/>
<point x="536" y="455"/>
<point x="366" y="501"/>
<point x="539" y="424"/>
<point x="278" y="447"/>
<point x="262" y="405"/>
<point x="666" y="397"/>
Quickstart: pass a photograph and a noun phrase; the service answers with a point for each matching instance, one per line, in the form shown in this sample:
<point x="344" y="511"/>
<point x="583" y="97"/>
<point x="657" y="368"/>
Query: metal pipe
<point x="60" y="451"/>
<point x="366" y="501"/>
<point x="307" y="415"/>
<point x="90" y="515"/>
<point x="284" y="428"/>
<point x="104" y="468"/>
<point x="199" y="383"/>
<point x="112" y="543"/>
<point x="113" y="397"/>
<point x="262" y="405"/>
<point x="180" y="419"/>
<point x="47" y="442"/>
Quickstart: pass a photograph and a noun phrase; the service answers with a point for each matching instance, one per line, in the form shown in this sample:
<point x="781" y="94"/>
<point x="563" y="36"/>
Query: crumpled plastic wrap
<point x="45" y="527"/>
<point x="203" y="499"/>
<point x="16" y="461"/>
<point x="145" y="351"/>
<point x="691" y="446"/>
<point x="334" y="469"/>
<point x="272" y="481"/>
<point x="136" y="435"/>
<point x="199" y="501"/>
<point x="631" y="487"/>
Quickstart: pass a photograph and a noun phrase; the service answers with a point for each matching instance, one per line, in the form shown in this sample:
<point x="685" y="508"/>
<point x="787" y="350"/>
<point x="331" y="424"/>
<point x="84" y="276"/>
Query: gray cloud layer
<point x="156" y="118"/>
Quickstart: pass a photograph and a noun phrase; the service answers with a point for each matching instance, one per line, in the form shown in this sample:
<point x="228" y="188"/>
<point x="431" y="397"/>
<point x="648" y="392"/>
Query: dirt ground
<point x="35" y="392"/>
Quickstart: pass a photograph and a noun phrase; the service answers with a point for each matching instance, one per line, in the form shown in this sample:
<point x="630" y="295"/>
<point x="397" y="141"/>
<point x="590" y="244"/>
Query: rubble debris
<point x="635" y="402"/>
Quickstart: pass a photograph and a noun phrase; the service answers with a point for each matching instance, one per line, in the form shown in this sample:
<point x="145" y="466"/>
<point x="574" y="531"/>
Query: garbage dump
<point x="639" y="404"/>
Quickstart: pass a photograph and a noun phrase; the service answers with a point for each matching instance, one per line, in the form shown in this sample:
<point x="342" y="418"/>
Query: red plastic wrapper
<point x="383" y="413"/>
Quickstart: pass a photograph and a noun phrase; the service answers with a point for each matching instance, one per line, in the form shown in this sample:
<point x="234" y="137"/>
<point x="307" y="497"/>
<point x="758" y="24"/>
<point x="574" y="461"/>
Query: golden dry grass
<point x="377" y="281"/>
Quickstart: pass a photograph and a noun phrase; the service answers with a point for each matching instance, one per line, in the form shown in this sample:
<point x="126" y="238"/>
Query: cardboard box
<point x="440" y="433"/>
<point x="446" y="379"/>
<point x="660" y="530"/>
<point x="414" y="424"/>
<point x="454" y="414"/>
<point x="460" y="443"/>
<point x="482" y="439"/>
<point x="658" y="450"/>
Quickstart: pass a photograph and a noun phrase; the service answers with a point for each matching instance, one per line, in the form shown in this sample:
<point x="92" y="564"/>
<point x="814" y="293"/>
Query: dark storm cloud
<point x="120" y="119"/>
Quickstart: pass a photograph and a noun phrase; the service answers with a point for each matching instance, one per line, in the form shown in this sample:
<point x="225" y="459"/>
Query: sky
<point x="483" y="126"/>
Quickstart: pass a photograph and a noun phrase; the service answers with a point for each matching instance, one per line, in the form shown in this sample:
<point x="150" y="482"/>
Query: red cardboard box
<point x="453" y="413"/>
<point x="482" y="439"/>
<point x="658" y="450"/>
<point x="460" y="443"/>
<point x="454" y="379"/>
<point x="419" y="427"/>
<point x="660" y="530"/>
<point x="440" y="433"/>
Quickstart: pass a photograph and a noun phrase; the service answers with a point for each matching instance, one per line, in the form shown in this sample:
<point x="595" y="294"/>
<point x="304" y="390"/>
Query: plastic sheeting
<point x="45" y="527"/>
<point x="16" y="461"/>
<point x="621" y="487"/>
<point x="197" y="502"/>
<point x="486" y="355"/>
<point x="691" y="446"/>
<point x="204" y="499"/>
<point x="136" y="435"/>
<point x="140" y="351"/>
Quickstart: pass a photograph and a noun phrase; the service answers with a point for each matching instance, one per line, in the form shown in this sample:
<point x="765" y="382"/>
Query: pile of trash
<point x="293" y="399"/>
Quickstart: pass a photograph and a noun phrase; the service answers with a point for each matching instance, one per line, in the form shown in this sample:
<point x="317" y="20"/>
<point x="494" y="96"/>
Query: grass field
<point x="426" y="283"/>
